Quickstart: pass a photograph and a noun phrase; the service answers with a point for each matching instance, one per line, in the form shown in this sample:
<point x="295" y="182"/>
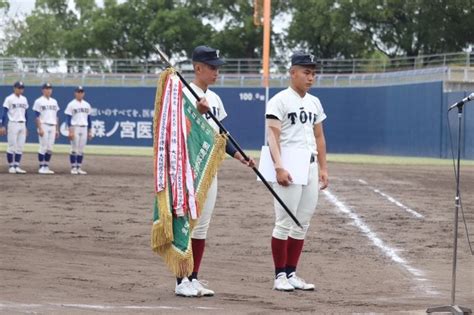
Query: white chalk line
<point x="387" y="250"/>
<point x="392" y="200"/>
<point x="23" y="306"/>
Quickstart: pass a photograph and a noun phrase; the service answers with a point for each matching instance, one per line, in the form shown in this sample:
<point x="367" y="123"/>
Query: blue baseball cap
<point x="207" y="55"/>
<point x="79" y="89"/>
<point x="46" y="85"/>
<point x="300" y="58"/>
<point x="19" y="85"/>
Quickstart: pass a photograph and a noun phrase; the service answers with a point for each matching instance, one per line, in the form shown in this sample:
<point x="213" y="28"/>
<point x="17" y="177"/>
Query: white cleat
<point x="74" y="171"/>
<point x="48" y="171"/>
<point x="81" y="172"/>
<point x="19" y="170"/>
<point x="12" y="170"/>
<point x="199" y="286"/>
<point x="298" y="283"/>
<point x="185" y="288"/>
<point x="281" y="283"/>
<point x="42" y="170"/>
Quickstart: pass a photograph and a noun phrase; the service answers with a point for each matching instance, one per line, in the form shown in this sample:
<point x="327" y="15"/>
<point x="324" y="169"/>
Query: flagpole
<point x="266" y="53"/>
<point x="232" y="140"/>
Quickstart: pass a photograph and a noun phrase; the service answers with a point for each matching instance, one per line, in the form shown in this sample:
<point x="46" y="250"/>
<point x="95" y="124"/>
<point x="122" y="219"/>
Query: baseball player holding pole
<point x="79" y="122"/>
<point x="47" y="124"/>
<point x="15" y="112"/>
<point x="294" y="121"/>
<point x="206" y="63"/>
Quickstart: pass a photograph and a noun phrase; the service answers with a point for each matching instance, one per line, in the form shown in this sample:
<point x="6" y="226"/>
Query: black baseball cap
<point x="46" y="85"/>
<point x="300" y="58"/>
<point x="79" y="89"/>
<point x="207" y="55"/>
<point x="19" y="85"/>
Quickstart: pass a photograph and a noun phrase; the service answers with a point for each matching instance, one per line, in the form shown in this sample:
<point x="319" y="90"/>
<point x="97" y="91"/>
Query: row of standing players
<point x="14" y="119"/>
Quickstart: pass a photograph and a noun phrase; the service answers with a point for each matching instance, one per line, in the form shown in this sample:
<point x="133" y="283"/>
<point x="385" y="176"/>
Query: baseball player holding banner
<point x="206" y="63"/>
<point x="79" y="122"/>
<point x="15" y="112"/>
<point x="294" y="123"/>
<point x="46" y="109"/>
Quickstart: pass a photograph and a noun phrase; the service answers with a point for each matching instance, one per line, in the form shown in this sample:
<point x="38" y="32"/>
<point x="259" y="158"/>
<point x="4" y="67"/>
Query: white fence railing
<point x="453" y="74"/>
<point x="96" y="67"/>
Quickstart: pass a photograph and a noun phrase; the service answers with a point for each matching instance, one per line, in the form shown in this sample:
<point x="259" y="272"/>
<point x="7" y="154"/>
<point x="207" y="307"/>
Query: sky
<point x="25" y="6"/>
<point x="18" y="7"/>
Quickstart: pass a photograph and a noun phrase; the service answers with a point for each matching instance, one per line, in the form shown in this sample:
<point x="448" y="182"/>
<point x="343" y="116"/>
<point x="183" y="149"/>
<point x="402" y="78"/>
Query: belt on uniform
<point x="17" y="122"/>
<point x="312" y="159"/>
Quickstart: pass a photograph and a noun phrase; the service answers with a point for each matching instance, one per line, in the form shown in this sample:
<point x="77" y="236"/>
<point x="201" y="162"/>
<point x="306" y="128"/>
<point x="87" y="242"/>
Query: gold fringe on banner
<point x="180" y="263"/>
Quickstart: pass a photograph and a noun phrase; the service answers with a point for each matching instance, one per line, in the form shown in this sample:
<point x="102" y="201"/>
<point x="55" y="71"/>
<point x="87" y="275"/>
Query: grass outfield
<point x="340" y="158"/>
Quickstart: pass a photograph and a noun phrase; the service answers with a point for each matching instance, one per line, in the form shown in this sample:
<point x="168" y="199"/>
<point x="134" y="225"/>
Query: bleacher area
<point x="456" y="68"/>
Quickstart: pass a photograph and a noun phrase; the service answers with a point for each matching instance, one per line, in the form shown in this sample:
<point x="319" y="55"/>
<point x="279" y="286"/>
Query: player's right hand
<point x="71" y="135"/>
<point x="202" y="106"/>
<point x="283" y="177"/>
<point x="3" y="131"/>
<point x="40" y="132"/>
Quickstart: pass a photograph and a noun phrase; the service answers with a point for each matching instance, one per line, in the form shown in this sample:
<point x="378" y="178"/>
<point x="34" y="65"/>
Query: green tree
<point x="415" y="27"/>
<point x="357" y="28"/>
<point x="240" y="38"/>
<point x="325" y="28"/>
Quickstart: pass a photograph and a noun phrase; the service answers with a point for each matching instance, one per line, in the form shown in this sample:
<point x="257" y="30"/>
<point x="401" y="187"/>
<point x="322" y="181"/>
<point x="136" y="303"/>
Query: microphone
<point x="462" y="102"/>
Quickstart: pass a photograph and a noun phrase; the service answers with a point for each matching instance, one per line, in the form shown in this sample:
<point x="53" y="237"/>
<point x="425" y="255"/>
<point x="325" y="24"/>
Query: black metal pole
<point x="453" y="308"/>
<point x="237" y="146"/>
<point x="456" y="211"/>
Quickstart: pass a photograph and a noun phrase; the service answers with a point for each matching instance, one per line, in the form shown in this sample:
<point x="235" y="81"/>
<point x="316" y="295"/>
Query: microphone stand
<point x="453" y="308"/>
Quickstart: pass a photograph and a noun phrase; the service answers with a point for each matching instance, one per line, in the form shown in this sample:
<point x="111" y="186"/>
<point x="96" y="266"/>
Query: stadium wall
<point x="408" y="120"/>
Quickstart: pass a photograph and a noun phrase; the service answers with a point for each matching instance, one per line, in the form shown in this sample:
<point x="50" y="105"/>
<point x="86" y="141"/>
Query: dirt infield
<point x="381" y="241"/>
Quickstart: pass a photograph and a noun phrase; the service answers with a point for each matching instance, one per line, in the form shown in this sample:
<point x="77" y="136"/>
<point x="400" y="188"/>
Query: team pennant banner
<point x="187" y="154"/>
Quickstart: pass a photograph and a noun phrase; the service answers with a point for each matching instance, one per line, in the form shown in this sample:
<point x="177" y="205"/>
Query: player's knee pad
<point x="201" y="227"/>
<point x="297" y="233"/>
<point x="42" y="149"/>
<point x="200" y="231"/>
<point x="281" y="231"/>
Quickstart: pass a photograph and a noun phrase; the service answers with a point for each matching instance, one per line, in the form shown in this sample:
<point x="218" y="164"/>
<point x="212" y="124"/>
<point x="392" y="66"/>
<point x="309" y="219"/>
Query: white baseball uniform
<point x="48" y="115"/>
<point x="298" y="116"/>
<point x="79" y="112"/>
<point x="17" y="106"/>
<point x="217" y="108"/>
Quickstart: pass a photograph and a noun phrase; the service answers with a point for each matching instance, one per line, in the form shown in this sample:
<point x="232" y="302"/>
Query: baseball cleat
<point x="43" y="170"/>
<point x="199" y="286"/>
<point x="12" y="170"/>
<point x="298" y="283"/>
<point x="81" y="172"/>
<point x="48" y="171"/>
<point x="281" y="283"/>
<point x="185" y="288"/>
<point x="74" y="171"/>
<point x="19" y="170"/>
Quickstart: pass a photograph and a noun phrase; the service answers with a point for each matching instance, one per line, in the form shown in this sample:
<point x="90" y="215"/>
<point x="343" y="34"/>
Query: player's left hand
<point x="57" y="134"/>
<point x="89" y="135"/>
<point x="250" y="163"/>
<point x="3" y="131"/>
<point x="323" y="179"/>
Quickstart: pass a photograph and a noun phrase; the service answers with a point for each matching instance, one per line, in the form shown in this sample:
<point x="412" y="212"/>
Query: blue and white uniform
<point x="46" y="110"/>
<point x="15" y="113"/>
<point x="78" y="118"/>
